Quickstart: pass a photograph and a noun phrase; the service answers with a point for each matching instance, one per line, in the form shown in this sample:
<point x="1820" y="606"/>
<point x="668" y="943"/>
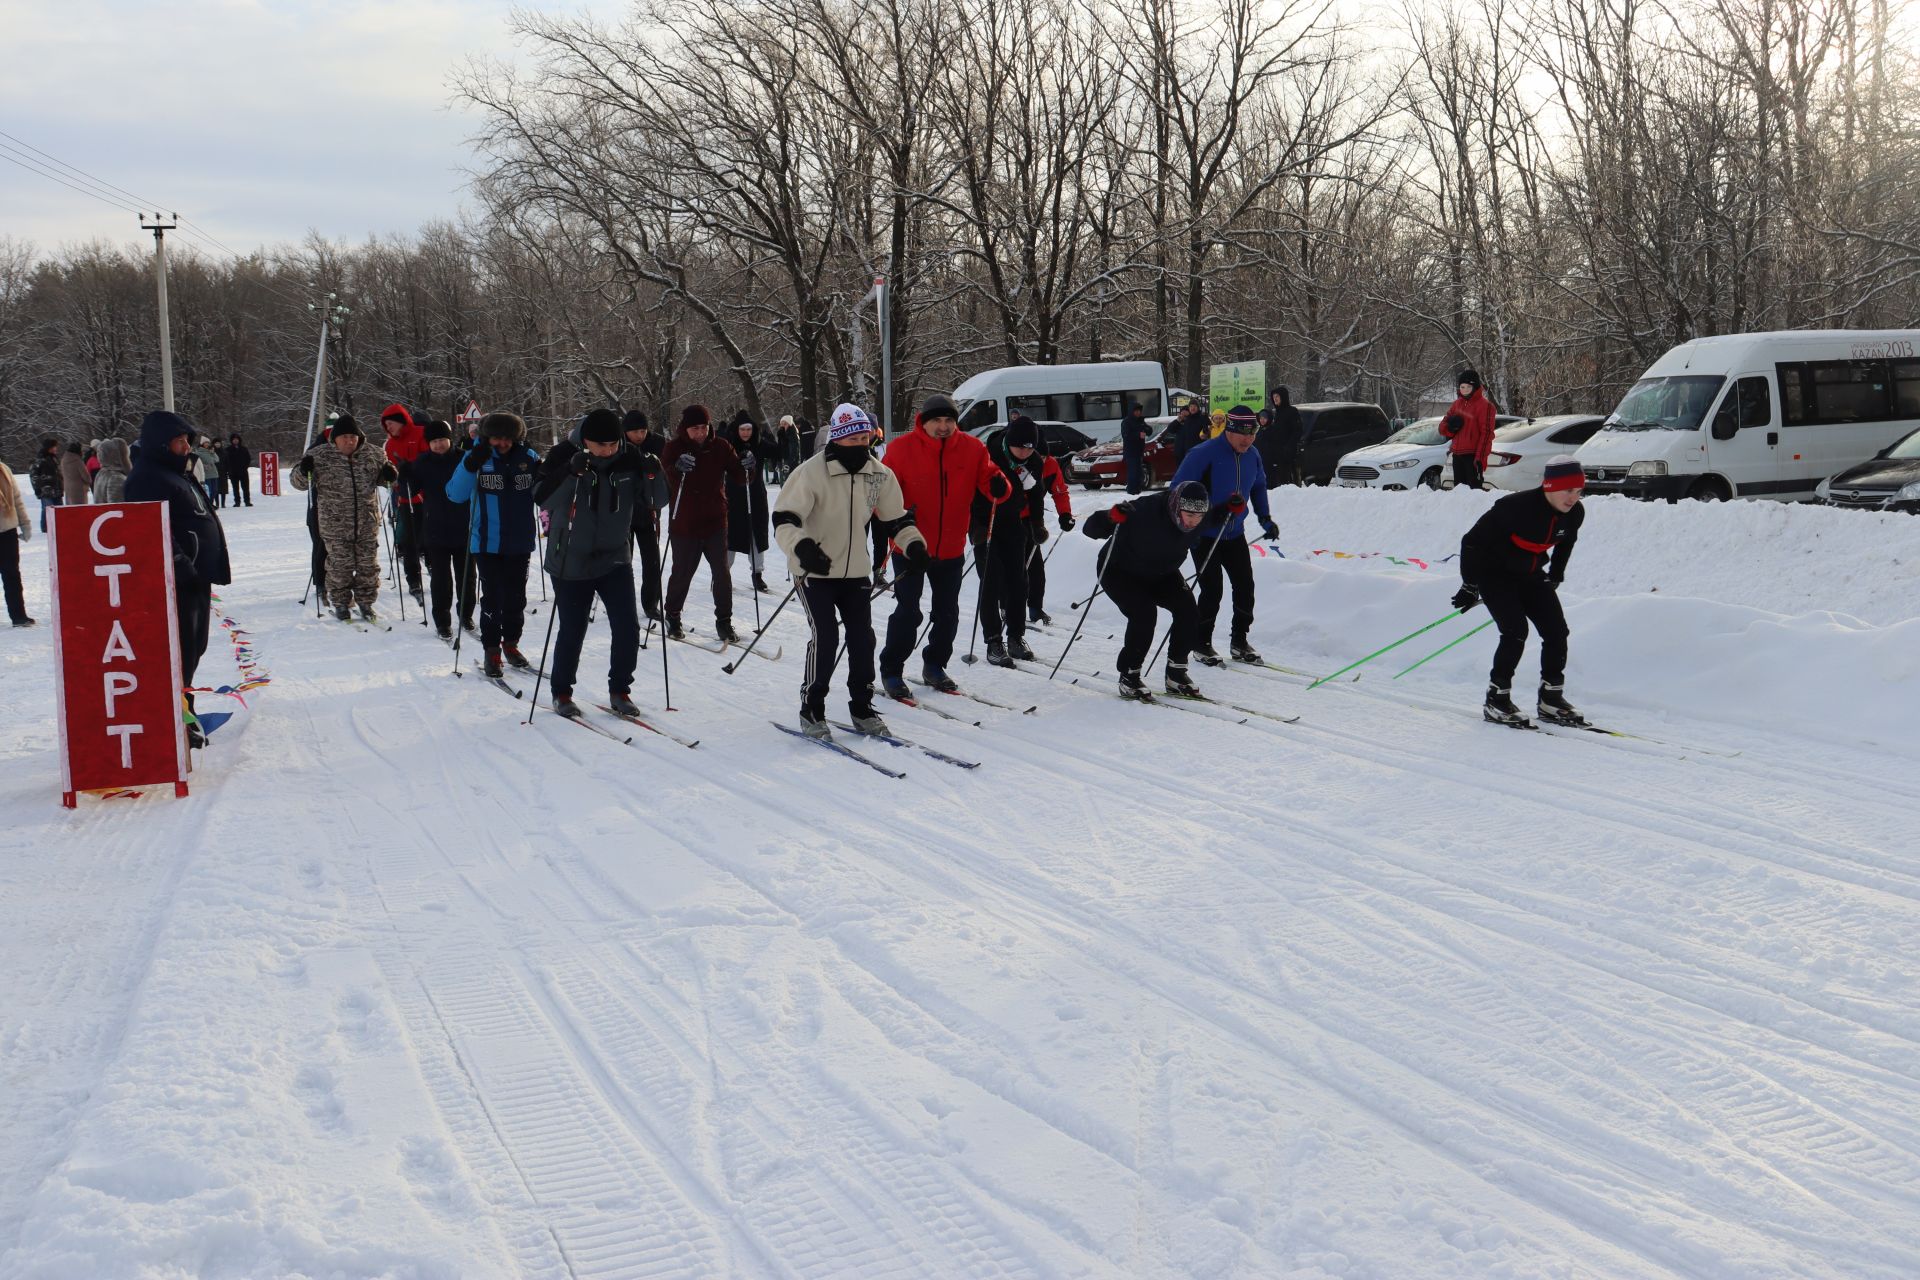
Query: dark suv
<point x="1331" y="430"/>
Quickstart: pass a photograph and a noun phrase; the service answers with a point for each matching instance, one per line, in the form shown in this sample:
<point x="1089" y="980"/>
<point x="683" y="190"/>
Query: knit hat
<point x="694" y="415"/>
<point x="937" y="406"/>
<point x="848" y="420"/>
<point x="437" y="431"/>
<point x="1470" y="377"/>
<point x="1564" y="472"/>
<point x="1242" y="420"/>
<point x="634" y="420"/>
<point x="501" y="425"/>
<point x="344" y="425"/>
<point x="602" y="426"/>
<point x="1023" y="434"/>
<point x="1190" y="496"/>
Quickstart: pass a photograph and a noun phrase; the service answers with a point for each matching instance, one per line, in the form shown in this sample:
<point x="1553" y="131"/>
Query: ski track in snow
<point x="411" y="988"/>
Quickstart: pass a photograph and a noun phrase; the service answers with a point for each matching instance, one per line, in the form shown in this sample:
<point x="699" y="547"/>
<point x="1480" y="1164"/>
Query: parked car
<point x="1103" y="464"/>
<point x="1520" y="451"/>
<point x="1889" y="482"/>
<point x="1057" y="439"/>
<point x="1332" y="429"/>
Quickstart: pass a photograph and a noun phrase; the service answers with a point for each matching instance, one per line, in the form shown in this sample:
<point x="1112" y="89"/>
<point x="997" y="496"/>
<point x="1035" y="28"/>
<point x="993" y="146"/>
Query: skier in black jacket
<point x="444" y="529"/>
<point x="1003" y="539"/>
<point x="1142" y="570"/>
<point x="1513" y="560"/>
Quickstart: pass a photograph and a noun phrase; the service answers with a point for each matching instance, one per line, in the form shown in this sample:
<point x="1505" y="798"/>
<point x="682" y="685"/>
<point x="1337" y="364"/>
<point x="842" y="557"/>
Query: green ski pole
<point x="1395" y="645"/>
<point x="1443" y="648"/>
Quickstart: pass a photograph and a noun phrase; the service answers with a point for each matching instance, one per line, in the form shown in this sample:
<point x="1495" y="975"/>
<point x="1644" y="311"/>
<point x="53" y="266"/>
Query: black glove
<point x="475" y="458"/>
<point x="1554" y="579"/>
<point x="1269" y="530"/>
<point x="685" y="463"/>
<point x="1452" y="425"/>
<point x="1066" y="521"/>
<point x="387" y="474"/>
<point x="746" y="459"/>
<point x="579" y="462"/>
<point x="916" y="556"/>
<point x="812" y="559"/>
<point x="304" y="467"/>
<point x="1466" y="597"/>
<point x="183" y="574"/>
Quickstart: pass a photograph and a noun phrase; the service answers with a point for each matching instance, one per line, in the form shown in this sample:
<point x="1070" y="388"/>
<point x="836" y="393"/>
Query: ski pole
<point x="731" y="667"/>
<point x="460" y="587"/>
<point x="1443" y="648"/>
<point x="1099" y="584"/>
<point x="1204" y="566"/>
<point x="752" y="553"/>
<point x="986" y="564"/>
<point x="1395" y="645"/>
<point x="573" y="505"/>
<point x="666" y="589"/>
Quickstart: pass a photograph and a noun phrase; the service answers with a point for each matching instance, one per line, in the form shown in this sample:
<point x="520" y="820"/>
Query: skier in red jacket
<point x="1469" y="423"/>
<point x="406" y="441"/>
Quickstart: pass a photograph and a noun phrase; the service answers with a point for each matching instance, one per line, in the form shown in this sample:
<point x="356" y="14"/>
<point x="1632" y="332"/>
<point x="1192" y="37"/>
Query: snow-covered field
<point x="408" y="988"/>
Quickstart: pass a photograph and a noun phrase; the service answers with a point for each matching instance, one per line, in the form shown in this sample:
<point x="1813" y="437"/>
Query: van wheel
<point x="1709" y="489"/>
<point x="1430" y="478"/>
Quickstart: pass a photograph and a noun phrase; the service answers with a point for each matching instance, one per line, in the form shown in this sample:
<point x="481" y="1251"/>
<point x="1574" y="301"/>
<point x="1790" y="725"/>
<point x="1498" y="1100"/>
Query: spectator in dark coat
<point x="1279" y="441"/>
<point x="44" y="476"/>
<point x="234" y="461"/>
<point x="747" y="503"/>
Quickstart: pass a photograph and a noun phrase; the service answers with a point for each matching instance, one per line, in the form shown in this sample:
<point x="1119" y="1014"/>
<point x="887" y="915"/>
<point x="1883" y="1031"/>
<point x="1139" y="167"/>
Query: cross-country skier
<point x="1003" y="539"/>
<point x="1468" y="423"/>
<point x="1054" y="482"/>
<point x="646" y="517"/>
<point x="1228" y="465"/>
<point x="405" y="441"/>
<point x="747" y="501"/>
<point x="590" y="486"/>
<point x="346" y="478"/>
<point x="200" y="560"/>
<point x="1513" y="560"/>
<point x="443" y="528"/>
<point x="500" y="475"/>
<point x="820" y="522"/>
<point x="699" y="465"/>
<point x="940" y="469"/>
<point x="1141" y="570"/>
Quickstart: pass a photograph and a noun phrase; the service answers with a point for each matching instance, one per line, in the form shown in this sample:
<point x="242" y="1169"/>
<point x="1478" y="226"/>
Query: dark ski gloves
<point x="812" y="559"/>
<point x="1466" y="597"/>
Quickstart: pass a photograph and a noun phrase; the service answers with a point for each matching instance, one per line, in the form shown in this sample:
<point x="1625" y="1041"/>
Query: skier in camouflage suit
<point x="346" y="478"/>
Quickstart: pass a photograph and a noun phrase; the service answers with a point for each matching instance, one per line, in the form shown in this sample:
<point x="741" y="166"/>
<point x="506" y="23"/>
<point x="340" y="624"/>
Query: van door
<point x="1744" y="443"/>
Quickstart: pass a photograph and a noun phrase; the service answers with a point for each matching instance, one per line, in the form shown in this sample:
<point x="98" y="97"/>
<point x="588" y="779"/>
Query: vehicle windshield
<point x="1908" y="448"/>
<point x="1666" y="404"/>
<point x="1419" y="431"/>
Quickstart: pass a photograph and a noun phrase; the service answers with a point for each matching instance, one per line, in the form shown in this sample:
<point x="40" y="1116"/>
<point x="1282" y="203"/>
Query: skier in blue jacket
<point x="1230" y="467"/>
<point x="499" y="480"/>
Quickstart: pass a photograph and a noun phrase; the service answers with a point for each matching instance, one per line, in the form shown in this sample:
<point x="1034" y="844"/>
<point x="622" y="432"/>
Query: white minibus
<point x="1090" y="397"/>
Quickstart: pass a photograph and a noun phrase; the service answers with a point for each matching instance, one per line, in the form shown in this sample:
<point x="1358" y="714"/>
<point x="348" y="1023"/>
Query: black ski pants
<point x="10" y="575"/>
<point x="572" y="600"/>
<point x="902" y="629"/>
<point x="237" y="482"/>
<point x="319" y="549"/>
<point x="647" y="543"/>
<point x="1141" y="599"/>
<point x="688" y="552"/>
<point x="1036" y="581"/>
<point x="443" y="564"/>
<point x="503" y="597"/>
<point x="831" y="602"/>
<point x="1466" y="471"/>
<point x="1514" y="602"/>
<point x="406" y="540"/>
<point x="193" y="609"/>
<point x="1001" y="565"/>
<point x="1231" y="560"/>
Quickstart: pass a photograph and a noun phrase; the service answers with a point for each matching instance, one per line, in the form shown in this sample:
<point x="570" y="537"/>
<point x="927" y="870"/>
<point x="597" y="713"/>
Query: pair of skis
<point x="891" y="739"/>
<point x="500" y="683"/>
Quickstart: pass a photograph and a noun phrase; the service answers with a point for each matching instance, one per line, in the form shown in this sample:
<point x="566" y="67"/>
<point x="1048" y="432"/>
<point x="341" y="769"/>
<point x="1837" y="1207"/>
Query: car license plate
<point x="1350" y="484"/>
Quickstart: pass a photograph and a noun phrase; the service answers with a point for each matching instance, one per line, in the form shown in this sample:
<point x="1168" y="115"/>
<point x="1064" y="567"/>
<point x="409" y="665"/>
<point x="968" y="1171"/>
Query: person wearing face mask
<point x="1003" y="542"/>
<point x="941" y="469"/>
<point x="699" y="466"/>
<point x="821" y="522"/>
<point x="1142" y="570"/>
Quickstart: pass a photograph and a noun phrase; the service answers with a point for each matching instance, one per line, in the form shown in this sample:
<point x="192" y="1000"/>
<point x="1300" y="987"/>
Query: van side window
<point x="1814" y="392"/>
<point x="1756" y="402"/>
<point x="980" y="413"/>
<point x="1034" y="407"/>
<point x="1906" y="388"/>
<point x="1064" y="406"/>
<point x="1096" y="406"/>
<point x="1148" y="400"/>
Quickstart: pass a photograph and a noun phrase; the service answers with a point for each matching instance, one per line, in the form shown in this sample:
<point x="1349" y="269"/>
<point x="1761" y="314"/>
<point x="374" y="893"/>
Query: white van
<point x="1091" y="397"/>
<point x="1758" y="415"/>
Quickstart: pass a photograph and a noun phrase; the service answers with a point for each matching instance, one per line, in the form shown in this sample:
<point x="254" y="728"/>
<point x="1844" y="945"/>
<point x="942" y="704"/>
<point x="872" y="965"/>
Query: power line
<point x="30" y="167"/>
<point x="98" y="182"/>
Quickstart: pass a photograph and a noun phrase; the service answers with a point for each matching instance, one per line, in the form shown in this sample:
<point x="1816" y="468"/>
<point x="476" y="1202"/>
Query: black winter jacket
<point x="445" y="526"/>
<point x="1150" y="543"/>
<point x="1520" y="537"/>
<point x="199" y="543"/>
<point x="1012" y="521"/>
<point x="747" y="503"/>
<point x="591" y="516"/>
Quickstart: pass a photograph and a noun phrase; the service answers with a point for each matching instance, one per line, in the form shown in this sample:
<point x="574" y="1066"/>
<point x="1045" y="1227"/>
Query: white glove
<point x="1028" y="480"/>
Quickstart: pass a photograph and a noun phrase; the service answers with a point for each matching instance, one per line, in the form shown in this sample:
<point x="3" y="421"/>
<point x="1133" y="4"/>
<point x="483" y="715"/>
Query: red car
<point x="1104" y="465"/>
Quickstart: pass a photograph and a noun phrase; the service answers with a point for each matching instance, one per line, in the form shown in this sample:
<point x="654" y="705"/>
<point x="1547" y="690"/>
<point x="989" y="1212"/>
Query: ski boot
<point x="1177" y="683"/>
<point x="367" y="614"/>
<point x="997" y="654"/>
<point x="419" y="596"/>
<point x="674" y="630"/>
<point x="937" y="678"/>
<point x="895" y="687"/>
<point x="343" y="612"/>
<point x="25" y="622"/>
<point x="445" y="633"/>
<point x="490" y="668"/>
<point x="515" y="658"/>
<point x="1018" y="648"/>
<point x="724" y="632"/>
<point x="466" y="625"/>
<point x="1132" y="689"/>
<point x="865" y="718"/>
<point x="760" y="585"/>
<point x="813" y="722"/>
<point x="1245" y="652"/>
<point x="1208" y="655"/>
<point x="564" y="705"/>
<point x="623" y="704"/>
<point x="1555" y="709"/>
<point x="1499" y="709"/>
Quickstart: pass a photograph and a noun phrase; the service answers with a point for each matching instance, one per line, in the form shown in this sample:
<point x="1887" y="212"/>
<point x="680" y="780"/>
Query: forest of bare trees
<point x="694" y="202"/>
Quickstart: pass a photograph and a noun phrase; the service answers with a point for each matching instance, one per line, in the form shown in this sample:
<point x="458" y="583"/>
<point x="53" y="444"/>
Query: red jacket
<point x="1474" y="435"/>
<point x="403" y="448"/>
<point x="698" y="498"/>
<point x="938" y="479"/>
<point x="1056" y="483"/>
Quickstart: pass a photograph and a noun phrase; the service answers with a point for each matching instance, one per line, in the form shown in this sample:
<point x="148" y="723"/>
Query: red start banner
<point x="117" y="647"/>
<point x="269" y="475"/>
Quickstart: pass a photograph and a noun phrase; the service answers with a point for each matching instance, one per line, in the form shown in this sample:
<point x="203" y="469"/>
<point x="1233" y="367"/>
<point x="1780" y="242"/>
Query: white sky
<point x="258" y="119"/>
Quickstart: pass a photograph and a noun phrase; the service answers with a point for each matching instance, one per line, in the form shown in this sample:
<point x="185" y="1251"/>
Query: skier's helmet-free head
<point x="1190" y="504"/>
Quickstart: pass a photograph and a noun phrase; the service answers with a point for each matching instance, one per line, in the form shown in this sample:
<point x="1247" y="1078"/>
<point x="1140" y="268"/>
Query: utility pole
<point x="332" y="316"/>
<point x="160" y="230"/>
<point x="883" y="303"/>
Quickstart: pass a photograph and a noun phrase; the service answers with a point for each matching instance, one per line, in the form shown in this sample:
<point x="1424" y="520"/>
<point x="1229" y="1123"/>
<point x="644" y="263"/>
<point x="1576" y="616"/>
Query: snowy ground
<point x="408" y="988"/>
